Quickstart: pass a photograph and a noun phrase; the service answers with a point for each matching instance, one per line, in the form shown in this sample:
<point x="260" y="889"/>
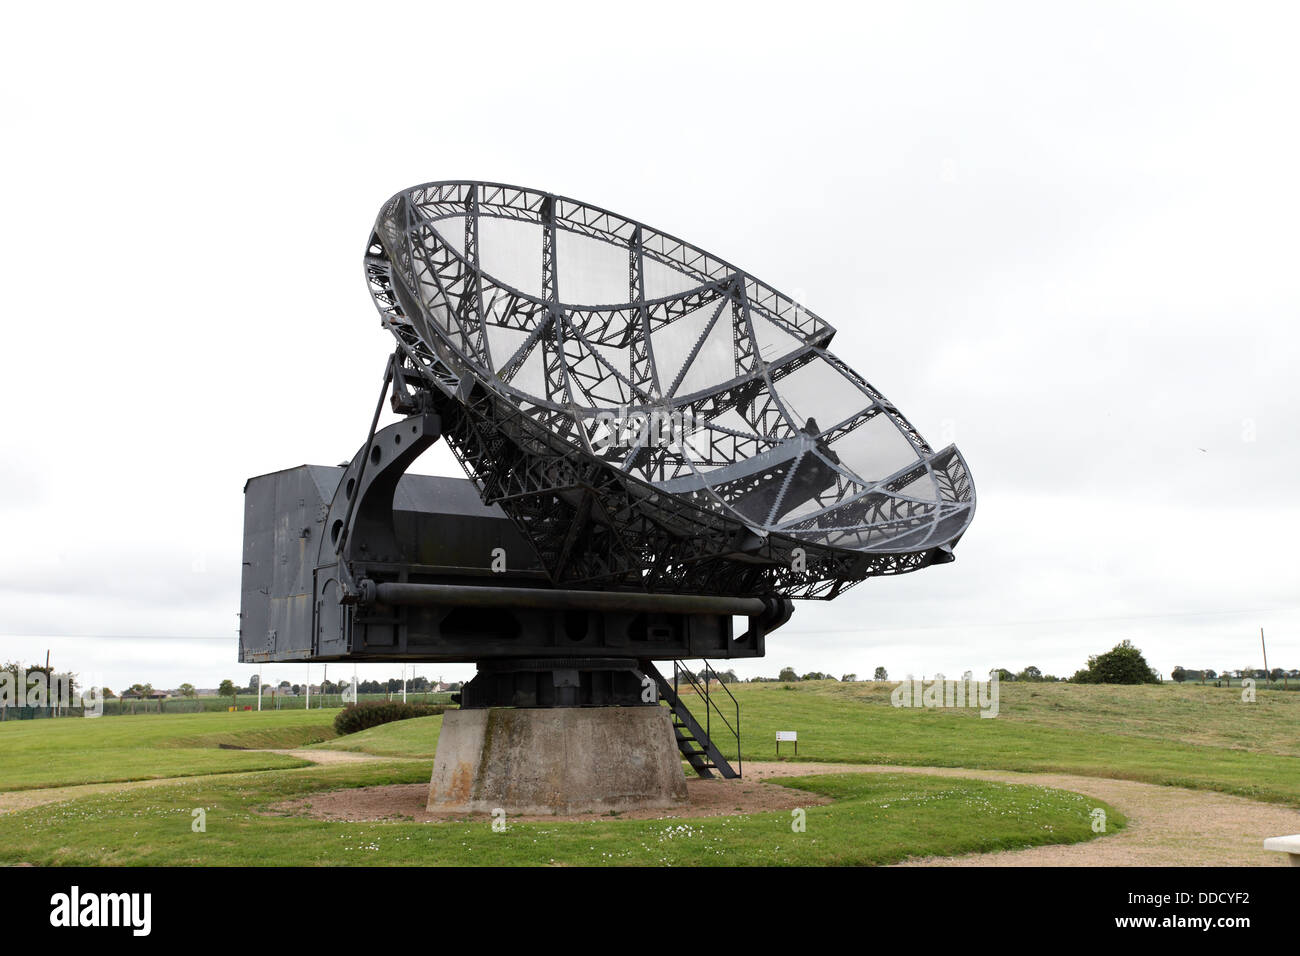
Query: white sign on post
<point x="787" y="736"/>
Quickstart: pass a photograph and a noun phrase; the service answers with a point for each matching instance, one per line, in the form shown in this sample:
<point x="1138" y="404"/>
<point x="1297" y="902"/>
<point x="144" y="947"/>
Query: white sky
<point x="1066" y="240"/>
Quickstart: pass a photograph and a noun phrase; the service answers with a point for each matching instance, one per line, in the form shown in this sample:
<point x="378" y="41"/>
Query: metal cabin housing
<point x="423" y="587"/>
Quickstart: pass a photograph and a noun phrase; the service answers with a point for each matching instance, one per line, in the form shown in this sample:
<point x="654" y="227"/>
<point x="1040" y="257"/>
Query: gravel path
<point x="1167" y="826"/>
<point x="331" y="757"/>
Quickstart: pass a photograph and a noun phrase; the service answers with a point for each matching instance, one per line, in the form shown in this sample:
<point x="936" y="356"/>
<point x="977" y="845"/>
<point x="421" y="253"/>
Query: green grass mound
<point x="76" y="750"/>
<point x="417" y="737"/>
<point x="875" y="818"/>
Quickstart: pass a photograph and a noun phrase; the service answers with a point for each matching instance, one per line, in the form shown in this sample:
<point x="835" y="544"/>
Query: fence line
<point x="116" y="707"/>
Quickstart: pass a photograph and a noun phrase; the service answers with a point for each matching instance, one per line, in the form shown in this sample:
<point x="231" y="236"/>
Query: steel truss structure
<point x="555" y="339"/>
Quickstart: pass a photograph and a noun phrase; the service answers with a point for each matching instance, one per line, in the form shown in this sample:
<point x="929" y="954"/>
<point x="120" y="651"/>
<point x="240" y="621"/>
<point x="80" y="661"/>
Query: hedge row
<point x="355" y="717"/>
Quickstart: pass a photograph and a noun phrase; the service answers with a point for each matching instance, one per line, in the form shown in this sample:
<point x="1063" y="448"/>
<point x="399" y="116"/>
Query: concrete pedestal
<point x="558" y="760"/>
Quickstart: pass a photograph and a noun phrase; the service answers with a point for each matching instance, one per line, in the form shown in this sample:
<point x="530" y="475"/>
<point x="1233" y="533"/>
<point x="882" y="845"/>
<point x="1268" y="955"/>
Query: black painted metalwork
<point x="639" y="423"/>
<point x="644" y="411"/>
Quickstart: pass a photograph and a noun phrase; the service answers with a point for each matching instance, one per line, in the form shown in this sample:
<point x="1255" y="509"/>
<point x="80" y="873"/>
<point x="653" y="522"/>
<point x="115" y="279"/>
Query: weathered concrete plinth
<point x="558" y="760"/>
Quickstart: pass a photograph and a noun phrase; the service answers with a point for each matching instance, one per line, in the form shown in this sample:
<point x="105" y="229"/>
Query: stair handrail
<point x="709" y="705"/>
<point x="735" y="732"/>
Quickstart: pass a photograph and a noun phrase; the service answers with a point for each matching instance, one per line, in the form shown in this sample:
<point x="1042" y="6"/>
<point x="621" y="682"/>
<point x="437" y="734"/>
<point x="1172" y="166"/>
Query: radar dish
<point x="647" y="413"/>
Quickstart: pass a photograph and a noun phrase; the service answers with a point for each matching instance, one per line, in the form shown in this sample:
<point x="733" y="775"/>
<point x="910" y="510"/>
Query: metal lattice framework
<point x="644" y="411"/>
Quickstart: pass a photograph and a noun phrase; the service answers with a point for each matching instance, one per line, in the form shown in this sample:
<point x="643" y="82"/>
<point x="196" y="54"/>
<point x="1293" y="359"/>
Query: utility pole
<point x="1265" y="650"/>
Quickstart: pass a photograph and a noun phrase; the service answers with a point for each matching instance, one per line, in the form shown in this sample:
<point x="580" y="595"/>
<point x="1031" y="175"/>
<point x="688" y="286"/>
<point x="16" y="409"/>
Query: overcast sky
<point x="1066" y="240"/>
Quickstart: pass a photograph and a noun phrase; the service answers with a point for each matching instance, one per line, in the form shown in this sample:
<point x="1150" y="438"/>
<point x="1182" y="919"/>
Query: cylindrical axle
<point x="437" y="595"/>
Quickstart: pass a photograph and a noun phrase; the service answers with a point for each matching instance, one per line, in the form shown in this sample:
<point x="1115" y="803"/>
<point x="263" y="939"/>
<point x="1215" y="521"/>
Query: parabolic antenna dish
<point x="650" y="415"/>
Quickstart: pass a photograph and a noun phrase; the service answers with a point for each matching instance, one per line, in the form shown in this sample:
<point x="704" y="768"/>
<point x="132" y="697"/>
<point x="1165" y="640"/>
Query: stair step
<point x="689" y="733"/>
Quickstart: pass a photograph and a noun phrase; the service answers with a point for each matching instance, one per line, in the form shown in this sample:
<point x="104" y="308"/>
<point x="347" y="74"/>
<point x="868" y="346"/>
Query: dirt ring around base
<point x="406" y="802"/>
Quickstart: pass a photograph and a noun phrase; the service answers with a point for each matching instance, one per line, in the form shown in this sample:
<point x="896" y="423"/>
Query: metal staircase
<point x="694" y="739"/>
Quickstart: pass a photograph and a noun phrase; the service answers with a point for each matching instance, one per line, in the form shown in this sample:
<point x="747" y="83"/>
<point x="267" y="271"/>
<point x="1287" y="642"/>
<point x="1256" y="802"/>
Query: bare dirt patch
<point x="407" y="802"/>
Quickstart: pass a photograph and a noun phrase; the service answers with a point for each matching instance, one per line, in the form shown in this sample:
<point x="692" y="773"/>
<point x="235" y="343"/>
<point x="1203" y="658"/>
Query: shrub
<point x="355" y="717"/>
<point x="1122" y="664"/>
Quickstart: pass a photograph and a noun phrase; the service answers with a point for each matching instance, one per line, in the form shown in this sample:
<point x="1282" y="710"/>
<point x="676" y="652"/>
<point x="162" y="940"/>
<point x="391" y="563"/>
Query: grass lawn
<point x="417" y="737"/>
<point x="1199" y="737"/>
<point x="1202" y="738"/>
<point x="74" y="750"/>
<point x="1175" y="736"/>
<point x="1187" y="713"/>
<point x="876" y="818"/>
<point x="1192" y="736"/>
